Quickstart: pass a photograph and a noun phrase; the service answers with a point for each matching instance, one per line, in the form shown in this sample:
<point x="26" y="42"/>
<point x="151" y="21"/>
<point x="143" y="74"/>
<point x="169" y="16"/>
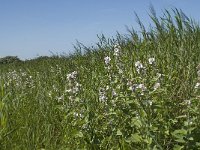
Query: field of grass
<point x="138" y="91"/>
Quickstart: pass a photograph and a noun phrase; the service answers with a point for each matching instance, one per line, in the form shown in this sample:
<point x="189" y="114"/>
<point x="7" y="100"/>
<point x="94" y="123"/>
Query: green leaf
<point x="182" y="116"/>
<point x="77" y="99"/>
<point x="180" y="140"/>
<point x="119" y="132"/>
<point x="191" y="139"/>
<point x="179" y="132"/>
<point x="178" y="147"/>
<point x="136" y="138"/>
<point x="167" y="132"/>
<point x="155" y="148"/>
<point x="197" y="144"/>
<point x="136" y="122"/>
<point x="179" y="135"/>
<point x="79" y="134"/>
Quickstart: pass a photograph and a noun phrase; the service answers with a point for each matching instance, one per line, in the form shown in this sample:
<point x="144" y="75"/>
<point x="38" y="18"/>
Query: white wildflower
<point x="142" y="87"/>
<point x="102" y="95"/>
<point x="72" y="75"/>
<point x="137" y="115"/>
<point x="78" y="115"/>
<point x="107" y="60"/>
<point x="188" y="102"/>
<point x="102" y="98"/>
<point x="71" y="98"/>
<point x="114" y="93"/>
<point x="197" y="85"/>
<point x="68" y="91"/>
<point x="61" y="98"/>
<point x="158" y="75"/>
<point x="133" y="87"/>
<point x="151" y="61"/>
<point x="190" y="122"/>
<point x="116" y="45"/>
<point x="139" y="66"/>
<point x="198" y="73"/>
<point x="120" y="71"/>
<point x="156" y="86"/>
<point x="75" y="90"/>
<point x="149" y="102"/>
<point x="50" y="94"/>
<point x="55" y="88"/>
<point x="116" y="50"/>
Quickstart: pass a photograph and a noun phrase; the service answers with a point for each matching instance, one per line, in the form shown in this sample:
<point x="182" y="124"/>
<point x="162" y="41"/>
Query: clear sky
<point x="30" y="28"/>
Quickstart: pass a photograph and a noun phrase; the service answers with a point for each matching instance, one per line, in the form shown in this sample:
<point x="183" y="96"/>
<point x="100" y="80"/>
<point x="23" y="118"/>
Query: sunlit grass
<point x="133" y="92"/>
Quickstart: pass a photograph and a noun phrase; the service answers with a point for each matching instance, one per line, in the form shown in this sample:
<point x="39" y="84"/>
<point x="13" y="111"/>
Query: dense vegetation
<point x="139" y="91"/>
<point x="9" y="59"/>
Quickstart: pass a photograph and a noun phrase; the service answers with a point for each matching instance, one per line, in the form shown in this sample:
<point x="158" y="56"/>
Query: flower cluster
<point x="151" y="61"/>
<point x="156" y="86"/>
<point x="117" y="54"/>
<point x="197" y="85"/>
<point x="139" y="66"/>
<point x="102" y="95"/>
<point x="73" y="86"/>
<point x="117" y="50"/>
<point x="134" y="87"/>
<point x="107" y="60"/>
<point x="20" y="79"/>
<point x="72" y="76"/>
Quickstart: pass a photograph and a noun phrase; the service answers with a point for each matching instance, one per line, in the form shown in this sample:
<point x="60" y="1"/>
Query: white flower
<point x="156" y="86"/>
<point x="151" y="60"/>
<point x="190" y="122"/>
<point x="142" y="87"/>
<point x="107" y="60"/>
<point x="116" y="50"/>
<point x="197" y="85"/>
<point x="198" y="73"/>
<point x="188" y="102"/>
<point x="78" y="115"/>
<point x="158" y="75"/>
<point x="69" y="91"/>
<point x="114" y="93"/>
<point x="61" y="98"/>
<point x="72" y="75"/>
<point x="133" y="87"/>
<point x="150" y="102"/>
<point x="50" y="94"/>
<point x="75" y="90"/>
<point x="139" y="66"/>
<point x="102" y="95"/>
<point x="120" y="71"/>
<point x="107" y="87"/>
<point x="102" y="98"/>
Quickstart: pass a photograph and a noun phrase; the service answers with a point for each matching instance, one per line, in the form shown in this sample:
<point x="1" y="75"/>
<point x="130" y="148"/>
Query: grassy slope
<point x="37" y="111"/>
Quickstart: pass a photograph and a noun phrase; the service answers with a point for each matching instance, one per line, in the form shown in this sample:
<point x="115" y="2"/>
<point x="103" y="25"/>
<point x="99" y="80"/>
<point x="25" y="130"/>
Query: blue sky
<point x="30" y="28"/>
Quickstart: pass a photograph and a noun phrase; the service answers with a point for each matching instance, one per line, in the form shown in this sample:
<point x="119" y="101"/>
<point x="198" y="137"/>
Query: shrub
<point x="9" y="59"/>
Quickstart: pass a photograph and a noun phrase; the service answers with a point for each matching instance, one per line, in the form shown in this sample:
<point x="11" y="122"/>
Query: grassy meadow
<point x="135" y="91"/>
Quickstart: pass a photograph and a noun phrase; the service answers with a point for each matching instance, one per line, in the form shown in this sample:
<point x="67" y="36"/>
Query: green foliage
<point x="140" y="91"/>
<point x="9" y="59"/>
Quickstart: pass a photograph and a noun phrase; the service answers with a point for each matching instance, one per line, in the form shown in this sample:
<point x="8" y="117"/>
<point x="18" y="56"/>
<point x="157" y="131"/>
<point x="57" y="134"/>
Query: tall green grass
<point x="136" y="91"/>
